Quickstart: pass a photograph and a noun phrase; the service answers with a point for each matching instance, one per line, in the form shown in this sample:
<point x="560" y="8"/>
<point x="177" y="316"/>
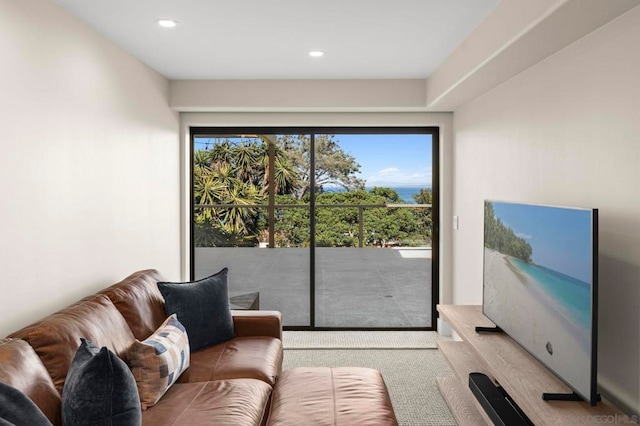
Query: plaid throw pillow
<point x="158" y="361"/>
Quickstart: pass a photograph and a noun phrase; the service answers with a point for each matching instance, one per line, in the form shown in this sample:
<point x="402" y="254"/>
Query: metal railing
<point x="360" y="207"/>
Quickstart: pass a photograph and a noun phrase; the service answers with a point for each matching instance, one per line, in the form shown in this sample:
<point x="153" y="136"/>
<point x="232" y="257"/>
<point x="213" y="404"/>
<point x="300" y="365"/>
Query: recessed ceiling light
<point x="166" y="23"/>
<point x="316" y="53"/>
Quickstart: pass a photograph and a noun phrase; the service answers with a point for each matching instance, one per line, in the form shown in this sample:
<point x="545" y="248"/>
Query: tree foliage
<point x="339" y="226"/>
<point x="334" y="167"/>
<point x="424" y="214"/>
<point x="236" y="173"/>
<point x="423" y="197"/>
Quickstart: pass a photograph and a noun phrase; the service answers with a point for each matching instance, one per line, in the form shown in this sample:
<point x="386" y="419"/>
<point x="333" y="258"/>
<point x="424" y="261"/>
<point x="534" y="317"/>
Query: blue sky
<point x="391" y="160"/>
<point x="385" y="160"/>
<point x="560" y="237"/>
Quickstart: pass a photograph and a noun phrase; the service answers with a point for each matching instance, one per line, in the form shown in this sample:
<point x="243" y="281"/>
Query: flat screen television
<point x="540" y="286"/>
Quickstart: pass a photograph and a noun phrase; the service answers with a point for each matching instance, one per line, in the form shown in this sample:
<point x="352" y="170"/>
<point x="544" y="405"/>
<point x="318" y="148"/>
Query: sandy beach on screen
<point x="514" y="301"/>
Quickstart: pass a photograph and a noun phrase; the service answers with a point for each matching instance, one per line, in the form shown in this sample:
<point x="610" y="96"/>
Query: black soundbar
<point x="500" y="408"/>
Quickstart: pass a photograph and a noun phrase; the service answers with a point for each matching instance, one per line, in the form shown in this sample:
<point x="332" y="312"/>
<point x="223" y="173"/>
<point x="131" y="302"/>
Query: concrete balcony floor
<point x="355" y="287"/>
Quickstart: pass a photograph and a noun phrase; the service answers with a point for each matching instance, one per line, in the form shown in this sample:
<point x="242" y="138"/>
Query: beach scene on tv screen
<point x="537" y="283"/>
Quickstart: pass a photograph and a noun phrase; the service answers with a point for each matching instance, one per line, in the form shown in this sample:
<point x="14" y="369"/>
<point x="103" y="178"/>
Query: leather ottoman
<point x="322" y="396"/>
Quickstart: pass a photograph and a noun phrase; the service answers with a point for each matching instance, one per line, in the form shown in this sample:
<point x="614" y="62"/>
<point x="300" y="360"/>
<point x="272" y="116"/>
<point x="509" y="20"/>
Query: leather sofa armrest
<point x="257" y="323"/>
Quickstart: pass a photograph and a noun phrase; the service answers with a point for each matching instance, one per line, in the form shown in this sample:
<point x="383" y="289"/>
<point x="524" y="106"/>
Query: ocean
<point x="405" y="192"/>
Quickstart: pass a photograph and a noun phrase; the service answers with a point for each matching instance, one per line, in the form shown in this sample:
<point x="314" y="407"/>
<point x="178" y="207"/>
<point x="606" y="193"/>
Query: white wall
<point x="89" y="164"/>
<point x="566" y="131"/>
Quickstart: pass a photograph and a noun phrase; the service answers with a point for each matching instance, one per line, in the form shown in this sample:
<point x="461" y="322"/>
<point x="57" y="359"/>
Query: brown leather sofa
<point x="231" y="383"/>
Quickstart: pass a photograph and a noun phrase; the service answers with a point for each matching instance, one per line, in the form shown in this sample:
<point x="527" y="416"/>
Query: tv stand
<point x="506" y="364"/>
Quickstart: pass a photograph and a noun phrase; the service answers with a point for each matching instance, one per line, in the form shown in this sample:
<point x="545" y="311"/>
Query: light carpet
<point x="359" y="339"/>
<point x="410" y="375"/>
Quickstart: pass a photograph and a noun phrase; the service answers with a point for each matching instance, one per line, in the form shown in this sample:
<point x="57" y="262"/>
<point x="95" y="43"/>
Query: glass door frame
<point x="434" y="131"/>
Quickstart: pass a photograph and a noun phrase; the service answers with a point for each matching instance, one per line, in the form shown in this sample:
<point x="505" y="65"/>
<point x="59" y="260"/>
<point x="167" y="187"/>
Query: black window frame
<point x="434" y="131"/>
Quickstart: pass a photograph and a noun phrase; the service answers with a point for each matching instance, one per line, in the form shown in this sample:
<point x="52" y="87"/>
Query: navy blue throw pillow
<point x="99" y="389"/>
<point x="17" y="409"/>
<point x="202" y="307"/>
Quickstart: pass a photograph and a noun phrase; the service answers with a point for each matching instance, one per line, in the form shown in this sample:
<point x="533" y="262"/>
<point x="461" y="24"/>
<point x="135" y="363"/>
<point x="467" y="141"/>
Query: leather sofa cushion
<point x="56" y="338"/>
<point x="139" y="301"/>
<point x="331" y="396"/>
<point x="257" y="357"/>
<point x="21" y="368"/>
<point x="237" y="402"/>
<point x="141" y="304"/>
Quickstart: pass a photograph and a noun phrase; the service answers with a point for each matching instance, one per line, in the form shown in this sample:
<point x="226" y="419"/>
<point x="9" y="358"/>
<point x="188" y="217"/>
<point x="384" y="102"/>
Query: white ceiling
<point x="269" y="39"/>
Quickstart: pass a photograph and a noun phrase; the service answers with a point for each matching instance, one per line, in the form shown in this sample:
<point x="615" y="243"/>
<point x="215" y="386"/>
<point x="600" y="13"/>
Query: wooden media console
<point x="523" y="377"/>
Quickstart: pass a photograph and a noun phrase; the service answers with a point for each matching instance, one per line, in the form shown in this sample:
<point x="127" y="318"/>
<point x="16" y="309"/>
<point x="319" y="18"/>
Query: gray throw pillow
<point x="17" y="409"/>
<point x="202" y="307"/>
<point x="99" y="389"/>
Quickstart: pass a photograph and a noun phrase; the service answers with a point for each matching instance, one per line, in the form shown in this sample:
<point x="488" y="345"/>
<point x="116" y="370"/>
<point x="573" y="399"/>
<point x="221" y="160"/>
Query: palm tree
<point x="233" y="174"/>
<point x="286" y="178"/>
<point x="207" y="190"/>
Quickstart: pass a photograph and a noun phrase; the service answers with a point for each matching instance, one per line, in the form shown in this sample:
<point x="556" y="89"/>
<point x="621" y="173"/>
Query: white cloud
<point x="389" y="171"/>
<point x="524" y="236"/>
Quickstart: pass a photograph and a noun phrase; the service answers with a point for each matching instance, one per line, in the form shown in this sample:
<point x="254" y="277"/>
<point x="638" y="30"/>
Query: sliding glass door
<point x="373" y="230"/>
<point x="241" y="186"/>
<point x="332" y="227"/>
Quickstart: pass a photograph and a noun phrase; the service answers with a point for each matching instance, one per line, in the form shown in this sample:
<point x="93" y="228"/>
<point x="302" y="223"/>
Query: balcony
<point x="355" y="287"/>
